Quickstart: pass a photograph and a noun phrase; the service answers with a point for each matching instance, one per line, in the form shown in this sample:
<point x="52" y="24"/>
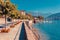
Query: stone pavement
<point x="13" y="34"/>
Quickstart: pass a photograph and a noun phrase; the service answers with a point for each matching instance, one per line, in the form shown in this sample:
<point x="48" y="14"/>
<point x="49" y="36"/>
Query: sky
<point x="38" y="6"/>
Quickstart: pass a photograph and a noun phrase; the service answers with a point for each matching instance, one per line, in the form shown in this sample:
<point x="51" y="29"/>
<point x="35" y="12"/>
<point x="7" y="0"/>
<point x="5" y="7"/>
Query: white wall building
<point x="23" y="12"/>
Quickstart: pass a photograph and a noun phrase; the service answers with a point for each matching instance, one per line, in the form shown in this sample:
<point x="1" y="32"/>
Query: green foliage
<point x="9" y="9"/>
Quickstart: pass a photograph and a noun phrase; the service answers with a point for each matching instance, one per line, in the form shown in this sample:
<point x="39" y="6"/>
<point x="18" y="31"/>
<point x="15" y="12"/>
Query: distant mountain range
<point x="55" y="16"/>
<point x="40" y="14"/>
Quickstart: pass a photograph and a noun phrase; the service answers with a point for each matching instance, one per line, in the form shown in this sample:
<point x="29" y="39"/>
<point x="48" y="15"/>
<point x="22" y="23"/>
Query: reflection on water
<point x="47" y="21"/>
<point x="50" y="29"/>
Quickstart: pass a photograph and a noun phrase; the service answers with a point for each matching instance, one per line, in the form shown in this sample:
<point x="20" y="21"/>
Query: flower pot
<point x="5" y="30"/>
<point x="12" y="26"/>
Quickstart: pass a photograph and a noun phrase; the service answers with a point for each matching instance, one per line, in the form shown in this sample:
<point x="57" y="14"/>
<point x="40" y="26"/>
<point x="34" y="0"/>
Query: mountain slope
<point x="54" y="17"/>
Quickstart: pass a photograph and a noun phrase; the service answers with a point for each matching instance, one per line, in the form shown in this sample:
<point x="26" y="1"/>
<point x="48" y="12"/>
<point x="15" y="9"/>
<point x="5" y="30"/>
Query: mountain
<point x="55" y="16"/>
<point x="40" y="14"/>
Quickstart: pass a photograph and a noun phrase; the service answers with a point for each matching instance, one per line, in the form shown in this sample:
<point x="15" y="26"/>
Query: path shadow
<point x="23" y="35"/>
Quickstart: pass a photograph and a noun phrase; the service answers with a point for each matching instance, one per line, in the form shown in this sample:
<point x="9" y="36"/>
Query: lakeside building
<point x="22" y="12"/>
<point x="7" y="0"/>
<point x="2" y="1"/>
<point x="28" y="15"/>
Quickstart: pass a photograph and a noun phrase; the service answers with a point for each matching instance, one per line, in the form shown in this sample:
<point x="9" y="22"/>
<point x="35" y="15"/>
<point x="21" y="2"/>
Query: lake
<point x="49" y="30"/>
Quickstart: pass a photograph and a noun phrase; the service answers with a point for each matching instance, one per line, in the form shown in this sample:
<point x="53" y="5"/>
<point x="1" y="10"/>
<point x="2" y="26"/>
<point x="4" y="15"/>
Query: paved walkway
<point x="12" y="34"/>
<point x="26" y="33"/>
<point x="30" y="35"/>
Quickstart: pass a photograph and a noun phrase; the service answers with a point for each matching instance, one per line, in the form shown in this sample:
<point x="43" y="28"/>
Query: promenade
<point x="30" y="31"/>
<point x="13" y="34"/>
<point x="21" y="31"/>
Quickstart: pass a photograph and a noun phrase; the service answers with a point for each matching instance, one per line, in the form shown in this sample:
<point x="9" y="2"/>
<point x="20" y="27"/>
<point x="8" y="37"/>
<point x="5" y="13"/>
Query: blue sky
<point x="42" y="6"/>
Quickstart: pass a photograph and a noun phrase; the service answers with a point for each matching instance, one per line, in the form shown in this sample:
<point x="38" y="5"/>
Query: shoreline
<point x="36" y="33"/>
<point x="39" y="34"/>
<point x="42" y="34"/>
<point x="34" y="30"/>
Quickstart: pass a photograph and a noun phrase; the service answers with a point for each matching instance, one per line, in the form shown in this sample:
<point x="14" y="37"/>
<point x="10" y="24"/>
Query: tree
<point x="6" y="8"/>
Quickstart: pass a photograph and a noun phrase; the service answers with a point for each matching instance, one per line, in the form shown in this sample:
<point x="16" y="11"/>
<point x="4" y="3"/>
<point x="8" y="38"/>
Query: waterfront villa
<point x="22" y="12"/>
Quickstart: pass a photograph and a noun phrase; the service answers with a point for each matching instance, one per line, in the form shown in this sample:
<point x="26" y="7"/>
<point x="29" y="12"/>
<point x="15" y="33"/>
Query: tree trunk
<point x="5" y="22"/>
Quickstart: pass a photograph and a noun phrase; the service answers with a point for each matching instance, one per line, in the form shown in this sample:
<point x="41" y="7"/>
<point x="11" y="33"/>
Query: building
<point x="7" y="0"/>
<point x="22" y="12"/>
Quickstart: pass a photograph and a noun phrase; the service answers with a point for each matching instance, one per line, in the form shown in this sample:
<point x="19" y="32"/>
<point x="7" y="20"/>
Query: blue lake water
<point x="51" y="29"/>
